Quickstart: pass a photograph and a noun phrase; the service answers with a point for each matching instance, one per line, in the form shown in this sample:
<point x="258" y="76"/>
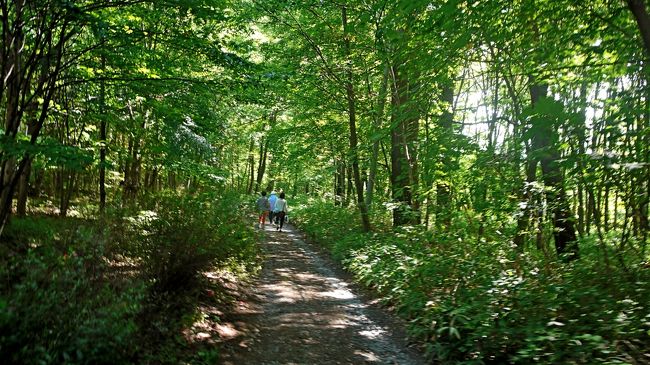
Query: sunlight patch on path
<point x="311" y="316"/>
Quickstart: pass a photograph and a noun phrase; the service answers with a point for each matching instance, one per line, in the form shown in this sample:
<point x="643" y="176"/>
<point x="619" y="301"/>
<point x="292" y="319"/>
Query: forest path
<point x="304" y="312"/>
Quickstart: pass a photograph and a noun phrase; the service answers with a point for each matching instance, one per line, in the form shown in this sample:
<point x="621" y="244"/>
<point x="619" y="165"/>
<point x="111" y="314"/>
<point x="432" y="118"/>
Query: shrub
<point x="119" y="290"/>
<point x="187" y="235"/>
<point x="480" y="303"/>
<point x="57" y="305"/>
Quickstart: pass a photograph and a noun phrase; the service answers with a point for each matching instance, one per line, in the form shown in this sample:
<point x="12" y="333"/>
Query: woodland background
<point x="483" y="165"/>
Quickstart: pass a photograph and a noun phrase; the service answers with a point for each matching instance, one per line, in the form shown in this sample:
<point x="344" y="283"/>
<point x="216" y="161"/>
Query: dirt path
<point x="304" y="312"/>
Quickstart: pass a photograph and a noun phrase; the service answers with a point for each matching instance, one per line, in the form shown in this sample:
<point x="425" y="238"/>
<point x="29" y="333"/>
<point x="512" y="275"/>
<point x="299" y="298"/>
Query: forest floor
<point x="303" y="309"/>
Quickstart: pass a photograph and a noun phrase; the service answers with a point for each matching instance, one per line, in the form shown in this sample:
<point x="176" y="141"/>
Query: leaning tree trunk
<point x="16" y="77"/>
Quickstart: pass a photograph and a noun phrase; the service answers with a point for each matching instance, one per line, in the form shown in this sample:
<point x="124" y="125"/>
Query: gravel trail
<point x="304" y="312"/>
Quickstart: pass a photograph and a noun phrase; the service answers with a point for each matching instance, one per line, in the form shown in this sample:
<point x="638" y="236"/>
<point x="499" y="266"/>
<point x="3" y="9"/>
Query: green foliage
<point x="117" y="291"/>
<point x="60" y="303"/>
<point x="186" y="235"/>
<point x="475" y="303"/>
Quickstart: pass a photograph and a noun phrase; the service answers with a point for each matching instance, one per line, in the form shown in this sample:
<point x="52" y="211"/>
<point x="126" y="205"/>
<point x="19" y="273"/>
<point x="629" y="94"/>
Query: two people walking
<point x="274" y="207"/>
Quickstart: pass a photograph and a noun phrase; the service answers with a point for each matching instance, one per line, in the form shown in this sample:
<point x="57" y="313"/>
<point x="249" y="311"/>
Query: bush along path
<point x="304" y="312"/>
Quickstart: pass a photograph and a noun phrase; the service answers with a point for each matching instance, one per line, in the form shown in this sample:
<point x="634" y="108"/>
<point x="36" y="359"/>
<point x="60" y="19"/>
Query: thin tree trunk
<point x="23" y="189"/>
<point x="443" y="188"/>
<point x="340" y="182"/>
<point x="103" y="142"/>
<point x="354" y="154"/>
<point x="251" y="162"/>
<point x="377" y="116"/>
<point x="349" y="190"/>
<point x="264" y="147"/>
<point x="401" y="190"/>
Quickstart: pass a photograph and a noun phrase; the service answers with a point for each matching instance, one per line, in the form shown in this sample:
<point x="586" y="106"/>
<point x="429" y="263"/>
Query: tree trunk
<point x="638" y="9"/>
<point x="339" y="189"/>
<point x="443" y="188"/>
<point x="354" y="154"/>
<point x="377" y="118"/>
<point x="399" y="174"/>
<point x="264" y="147"/>
<point x="251" y="162"/>
<point x="103" y="142"/>
<point x="547" y="154"/>
<point x="23" y="189"/>
<point x="67" y="190"/>
<point x="171" y="180"/>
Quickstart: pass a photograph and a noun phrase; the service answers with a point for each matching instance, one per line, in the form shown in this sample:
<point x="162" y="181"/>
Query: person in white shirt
<point x="272" y="198"/>
<point x="280" y="210"/>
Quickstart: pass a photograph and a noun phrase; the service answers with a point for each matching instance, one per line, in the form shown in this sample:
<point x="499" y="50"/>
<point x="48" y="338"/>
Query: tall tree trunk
<point x="171" y="180"/>
<point x="547" y="154"/>
<point x="251" y="162"/>
<point x="399" y="178"/>
<point x="377" y="119"/>
<point x="103" y="142"/>
<point x="23" y="190"/>
<point x="23" y="184"/>
<point x="12" y="78"/>
<point x="354" y="153"/>
<point x="67" y="190"/>
<point x="18" y="86"/>
<point x="638" y="9"/>
<point x="264" y="147"/>
<point x="339" y="189"/>
<point x="443" y="188"/>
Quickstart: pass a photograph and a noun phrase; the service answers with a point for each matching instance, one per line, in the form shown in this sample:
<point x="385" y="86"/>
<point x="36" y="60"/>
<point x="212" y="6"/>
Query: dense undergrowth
<point x="117" y="290"/>
<point x="474" y="302"/>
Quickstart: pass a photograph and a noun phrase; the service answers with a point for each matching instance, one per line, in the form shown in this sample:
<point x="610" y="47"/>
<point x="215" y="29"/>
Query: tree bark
<point x="443" y="188"/>
<point x="399" y="178"/>
<point x="547" y="154"/>
<point x="23" y="190"/>
<point x="264" y="147"/>
<point x="354" y="154"/>
<point x="638" y="9"/>
<point x="339" y="179"/>
<point x="377" y="117"/>
<point x="103" y="142"/>
<point x="251" y="162"/>
<point x="16" y="76"/>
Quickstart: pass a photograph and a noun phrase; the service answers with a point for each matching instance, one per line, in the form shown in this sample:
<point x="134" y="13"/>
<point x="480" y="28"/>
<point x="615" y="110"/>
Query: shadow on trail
<point x="307" y="315"/>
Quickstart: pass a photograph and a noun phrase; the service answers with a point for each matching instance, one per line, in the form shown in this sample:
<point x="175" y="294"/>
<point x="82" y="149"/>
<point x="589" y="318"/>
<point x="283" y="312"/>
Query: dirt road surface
<point x="303" y="311"/>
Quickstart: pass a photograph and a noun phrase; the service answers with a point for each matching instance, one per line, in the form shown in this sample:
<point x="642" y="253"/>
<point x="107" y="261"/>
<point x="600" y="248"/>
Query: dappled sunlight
<point x="338" y="294"/>
<point x="373" y="334"/>
<point x="310" y="315"/>
<point x="369" y="356"/>
<point x="313" y="320"/>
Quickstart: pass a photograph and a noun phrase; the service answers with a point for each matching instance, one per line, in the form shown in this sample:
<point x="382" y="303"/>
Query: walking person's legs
<point x="281" y="219"/>
<point x="262" y="219"/>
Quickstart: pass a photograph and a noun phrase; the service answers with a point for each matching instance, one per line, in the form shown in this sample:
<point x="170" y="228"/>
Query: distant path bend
<point x="308" y="314"/>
